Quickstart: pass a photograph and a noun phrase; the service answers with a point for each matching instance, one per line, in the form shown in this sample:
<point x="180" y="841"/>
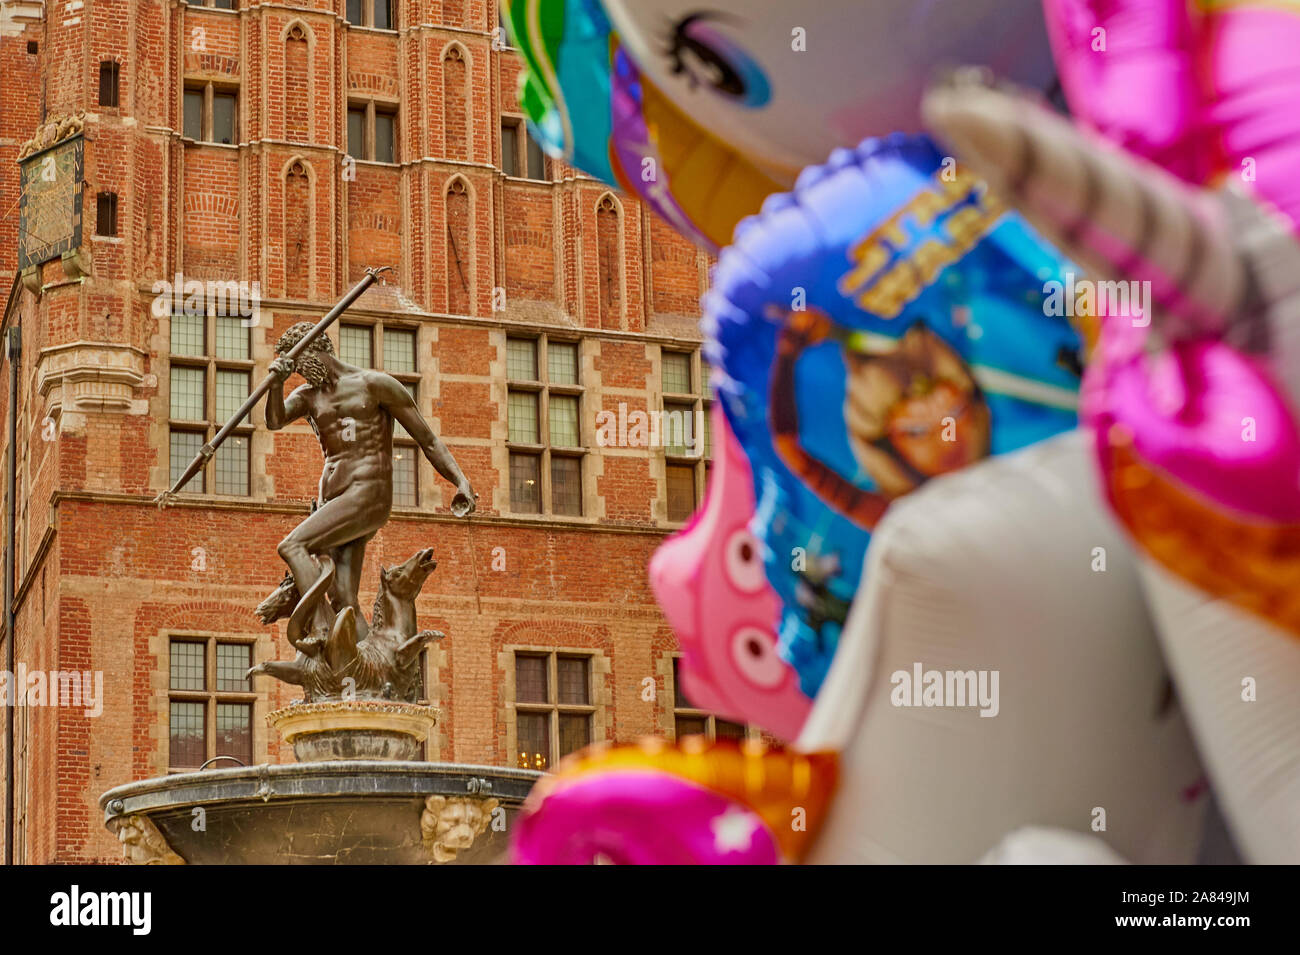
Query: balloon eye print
<point x="707" y="58"/>
<point x="756" y="658"/>
<point x="744" y="565"/>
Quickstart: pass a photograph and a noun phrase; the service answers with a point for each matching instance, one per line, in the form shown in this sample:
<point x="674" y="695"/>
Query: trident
<point x="209" y="449"/>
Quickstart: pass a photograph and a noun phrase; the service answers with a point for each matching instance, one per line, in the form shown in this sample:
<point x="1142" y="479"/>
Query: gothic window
<point x="458" y="248"/>
<point x="297" y="231"/>
<point x="456" y="104"/>
<point x="609" y="263"/>
<point x="296" y="70"/>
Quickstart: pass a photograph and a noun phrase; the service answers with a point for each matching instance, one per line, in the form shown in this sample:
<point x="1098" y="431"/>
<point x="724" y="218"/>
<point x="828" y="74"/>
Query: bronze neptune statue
<point x="352" y="410"/>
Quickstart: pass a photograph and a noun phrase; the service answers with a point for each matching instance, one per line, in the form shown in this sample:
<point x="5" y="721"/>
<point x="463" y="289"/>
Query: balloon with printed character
<point x="883" y="324"/>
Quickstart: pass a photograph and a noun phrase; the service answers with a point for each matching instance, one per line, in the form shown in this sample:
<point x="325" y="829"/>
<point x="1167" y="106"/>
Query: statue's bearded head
<point x="309" y="364"/>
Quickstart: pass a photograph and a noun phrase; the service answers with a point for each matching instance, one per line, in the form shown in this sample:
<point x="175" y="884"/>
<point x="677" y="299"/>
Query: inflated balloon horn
<point x="1218" y="264"/>
<point x="1205" y="90"/>
<point x="1198" y="438"/>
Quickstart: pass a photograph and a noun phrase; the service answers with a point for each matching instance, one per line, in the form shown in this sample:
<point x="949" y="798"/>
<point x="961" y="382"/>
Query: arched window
<point x="297" y="231"/>
<point x="297" y="108"/>
<point x="455" y="101"/>
<point x="609" y="267"/>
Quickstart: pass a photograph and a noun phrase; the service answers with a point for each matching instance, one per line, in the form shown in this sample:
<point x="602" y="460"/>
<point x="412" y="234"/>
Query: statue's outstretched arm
<point x="402" y="407"/>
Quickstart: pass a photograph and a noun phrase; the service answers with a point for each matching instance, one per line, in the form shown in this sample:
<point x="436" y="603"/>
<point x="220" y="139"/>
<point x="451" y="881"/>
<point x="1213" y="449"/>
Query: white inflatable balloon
<point x="1238" y="680"/>
<point x="1041" y="845"/>
<point x="786" y="83"/>
<point x="1013" y="568"/>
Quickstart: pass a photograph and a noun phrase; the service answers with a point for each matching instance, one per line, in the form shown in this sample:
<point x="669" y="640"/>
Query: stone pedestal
<point x="354" y="729"/>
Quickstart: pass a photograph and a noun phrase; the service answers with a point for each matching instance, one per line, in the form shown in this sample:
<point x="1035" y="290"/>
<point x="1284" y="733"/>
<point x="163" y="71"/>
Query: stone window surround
<point x="701" y="402"/>
<point x="602" y="712"/>
<point x="542" y="387"/>
<point x="433" y="661"/>
<point x="522" y="139"/>
<point x="368" y="18"/>
<point x="210" y="88"/>
<point x="374" y="105"/>
<point x="263" y="648"/>
<point x="669" y="709"/>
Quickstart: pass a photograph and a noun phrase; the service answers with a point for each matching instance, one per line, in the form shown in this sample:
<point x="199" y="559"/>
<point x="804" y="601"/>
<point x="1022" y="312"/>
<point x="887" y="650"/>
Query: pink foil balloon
<point x="1185" y="409"/>
<point x="1201" y="87"/>
<point x="710" y="582"/>
<point x="1208" y="90"/>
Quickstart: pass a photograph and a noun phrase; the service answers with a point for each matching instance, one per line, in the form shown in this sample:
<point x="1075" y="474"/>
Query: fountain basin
<point x="360" y="812"/>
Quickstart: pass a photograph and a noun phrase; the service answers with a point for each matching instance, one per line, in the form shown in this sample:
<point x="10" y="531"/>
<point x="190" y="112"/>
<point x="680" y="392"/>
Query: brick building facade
<point x="292" y="145"/>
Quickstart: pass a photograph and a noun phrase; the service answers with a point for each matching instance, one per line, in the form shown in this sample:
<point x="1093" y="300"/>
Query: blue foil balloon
<point x="882" y="324"/>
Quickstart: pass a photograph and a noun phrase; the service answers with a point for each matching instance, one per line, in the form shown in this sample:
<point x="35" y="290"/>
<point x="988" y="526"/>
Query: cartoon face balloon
<point x="710" y="582"/>
<point x="786" y="83"/>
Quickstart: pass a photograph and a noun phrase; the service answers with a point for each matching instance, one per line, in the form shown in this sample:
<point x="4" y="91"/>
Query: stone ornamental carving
<point x="91" y="376"/>
<point x="143" y="844"/>
<point x="52" y="131"/>
<point x="450" y="824"/>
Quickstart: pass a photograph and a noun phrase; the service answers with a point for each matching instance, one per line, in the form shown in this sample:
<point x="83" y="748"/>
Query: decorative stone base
<point x="355" y="729"/>
<point x="341" y="812"/>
